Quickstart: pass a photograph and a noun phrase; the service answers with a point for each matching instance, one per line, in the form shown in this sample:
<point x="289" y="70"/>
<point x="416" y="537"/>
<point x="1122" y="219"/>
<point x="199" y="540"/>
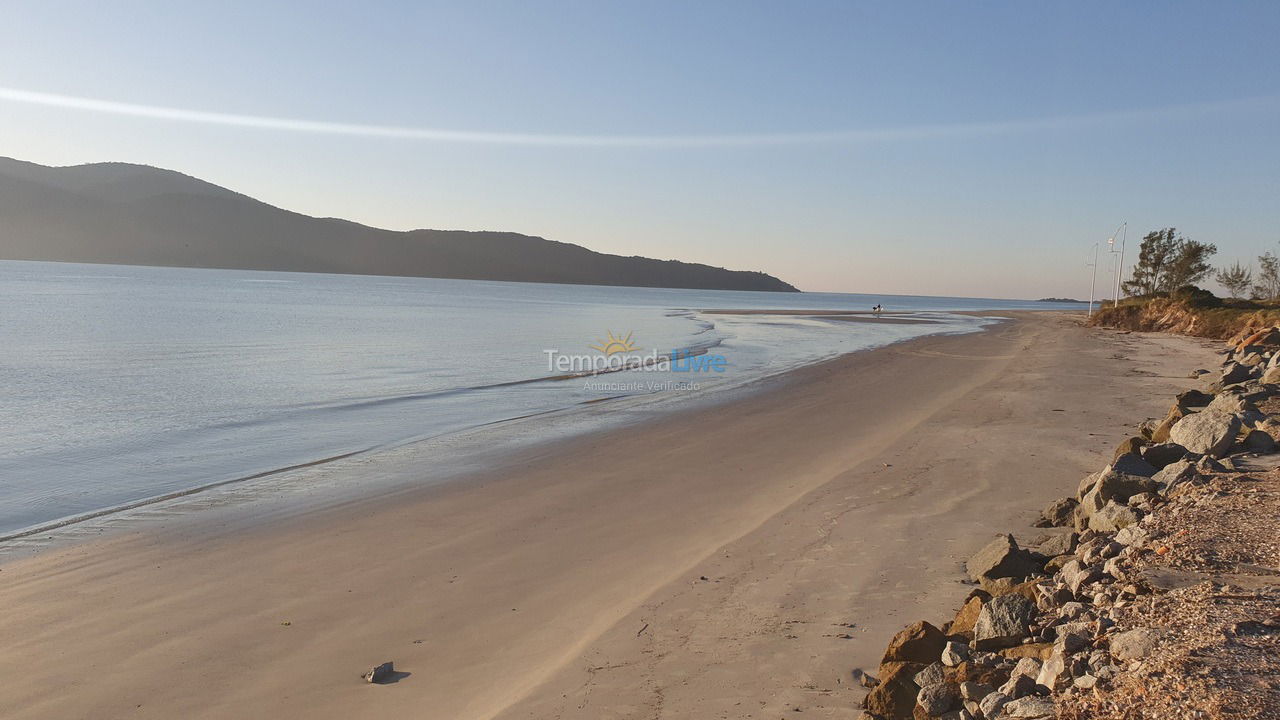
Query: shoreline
<point x="568" y="421"/>
<point x="519" y="582"/>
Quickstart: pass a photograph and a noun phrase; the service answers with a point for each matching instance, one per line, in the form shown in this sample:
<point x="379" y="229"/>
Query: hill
<point x="140" y="215"/>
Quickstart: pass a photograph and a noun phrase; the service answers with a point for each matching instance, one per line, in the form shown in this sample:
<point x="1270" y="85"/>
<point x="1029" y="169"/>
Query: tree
<point x="1190" y="264"/>
<point x="1236" y="278"/>
<point x="1154" y="254"/>
<point x="1267" y="286"/>
<point x="1168" y="261"/>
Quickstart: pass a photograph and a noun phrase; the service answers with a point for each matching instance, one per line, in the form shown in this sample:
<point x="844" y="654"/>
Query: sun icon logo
<point x="614" y="345"/>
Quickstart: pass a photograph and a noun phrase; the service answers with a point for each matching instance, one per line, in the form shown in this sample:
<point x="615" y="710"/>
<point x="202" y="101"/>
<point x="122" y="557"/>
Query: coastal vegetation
<point x="1165" y="296"/>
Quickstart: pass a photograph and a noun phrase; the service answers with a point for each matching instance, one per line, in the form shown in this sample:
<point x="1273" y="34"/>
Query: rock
<point x="992" y="704"/>
<point x="1029" y="707"/>
<point x="1057" y="513"/>
<point x="865" y="679"/>
<point x="1053" y="673"/>
<point x="1142" y="501"/>
<point x="380" y="673"/>
<point x="1073" y="637"/>
<point x="1085" y="682"/>
<point x="1162" y="454"/>
<point x="1002" y="558"/>
<point x="938" y="698"/>
<point x="1133" y="536"/>
<point x="1130" y="446"/>
<point x="1258" y="441"/>
<point x="1058" y="544"/>
<point x="919" y="642"/>
<point x="954" y="653"/>
<point x="1113" y="517"/>
<point x="1026" y="666"/>
<point x="1235" y="373"/>
<point x="1003" y="622"/>
<point x="1037" y="650"/>
<point x="1272" y="375"/>
<point x="1018" y="686"/>
<point x="1134" y="644"/>
<point x="1112" y="485"/>
<point x="1228" y="404"/>
<point x="1161" y="433"/>
<point x="1132" y="464"/>
<point x="974" y="690"/>
<point x="1076" y="575"/>
<point x="1193" y="398"/>
<point x="895" y="697"/>
<point x="966" y="618"/>
<point x="1206" y="433"/>
<point x="1175" y="474"/>
<point x="931" y="675"/>
<point x="1207" y="464"/>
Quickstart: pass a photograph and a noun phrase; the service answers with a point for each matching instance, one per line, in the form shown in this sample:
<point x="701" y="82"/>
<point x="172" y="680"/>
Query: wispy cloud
<point x="911" y="132"/>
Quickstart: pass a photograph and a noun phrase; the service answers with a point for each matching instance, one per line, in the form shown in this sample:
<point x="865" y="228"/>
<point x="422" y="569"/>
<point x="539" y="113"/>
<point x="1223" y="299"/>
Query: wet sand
<point x="732" y="561"/>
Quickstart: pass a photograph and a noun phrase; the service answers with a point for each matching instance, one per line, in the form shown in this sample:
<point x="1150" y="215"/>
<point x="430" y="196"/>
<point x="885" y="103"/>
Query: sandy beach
<point x="738" y="560"/>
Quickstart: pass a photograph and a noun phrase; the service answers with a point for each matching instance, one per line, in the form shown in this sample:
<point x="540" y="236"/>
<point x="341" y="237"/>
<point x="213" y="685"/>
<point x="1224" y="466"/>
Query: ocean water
<point x="125" y="383"/>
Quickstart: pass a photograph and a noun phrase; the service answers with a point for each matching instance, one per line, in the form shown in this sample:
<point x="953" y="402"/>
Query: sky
<point x="941" y="148"/>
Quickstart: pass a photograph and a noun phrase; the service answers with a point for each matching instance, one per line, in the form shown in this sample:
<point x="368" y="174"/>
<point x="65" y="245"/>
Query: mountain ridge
<point x="125" y="213"/>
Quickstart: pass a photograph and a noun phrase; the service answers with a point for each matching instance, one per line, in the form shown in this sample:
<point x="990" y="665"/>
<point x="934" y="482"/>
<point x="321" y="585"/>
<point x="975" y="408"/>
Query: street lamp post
<point x="1093" y="284"/>
<point x="1123" y="232"/>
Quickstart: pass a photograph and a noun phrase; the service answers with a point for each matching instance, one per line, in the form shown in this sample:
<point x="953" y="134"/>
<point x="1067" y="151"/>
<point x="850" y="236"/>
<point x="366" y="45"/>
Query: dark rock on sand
<point x="381" y="673"/>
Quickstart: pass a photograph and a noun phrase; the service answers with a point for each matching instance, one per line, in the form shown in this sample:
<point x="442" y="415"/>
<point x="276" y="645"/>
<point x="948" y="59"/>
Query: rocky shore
<point x="1152" y="592"/>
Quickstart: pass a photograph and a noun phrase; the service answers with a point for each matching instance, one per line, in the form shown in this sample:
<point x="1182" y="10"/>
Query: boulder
<point x="895" y="697"/>
<point x="1114" y="486"/>
<point x="1175" y="474"/>
<point x="954" y="653"/>
<point x="938" y="698"/>
<point x="1229" y="404"/>
<point x="1031" y="706"/>
<point x="966" y="618"/>
<point x="931" y="675"/>
<point x="993" y="704"/>
<point x="1135" y="644"/>
<point x="1234" y="373"/>
<point x="1132" y="464"/>
<point x="1002" y="558"/>
<point x="1129" y="446"/>
<point x="1058" y="544"/>
<point x="919" y="642"/>
<point x="1112" y="517"/>
<point x="1271" y="376"/>
<point x="1161" y="433"/>
<point x="1161" y="455"/>
<point x="1003" y="622"/>
<point x="1193" y="398"/>
<point x="1206" y="433"/>
<point x="1057" y="513"/>
<point x="1258" y="441"/>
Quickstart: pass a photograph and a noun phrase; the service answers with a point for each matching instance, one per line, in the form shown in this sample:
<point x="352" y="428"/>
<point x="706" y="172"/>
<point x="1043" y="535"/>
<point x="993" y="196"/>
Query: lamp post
<point x="1123" y="232"/>
<point x="1093" y="284"/>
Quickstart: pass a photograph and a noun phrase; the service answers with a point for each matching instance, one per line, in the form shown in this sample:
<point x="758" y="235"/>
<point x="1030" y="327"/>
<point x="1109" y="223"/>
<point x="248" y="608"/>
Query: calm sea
<point x="123" y="383"/>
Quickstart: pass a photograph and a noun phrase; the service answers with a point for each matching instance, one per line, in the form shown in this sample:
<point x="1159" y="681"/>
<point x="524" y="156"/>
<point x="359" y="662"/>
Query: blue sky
<point x="988" y="145"/>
